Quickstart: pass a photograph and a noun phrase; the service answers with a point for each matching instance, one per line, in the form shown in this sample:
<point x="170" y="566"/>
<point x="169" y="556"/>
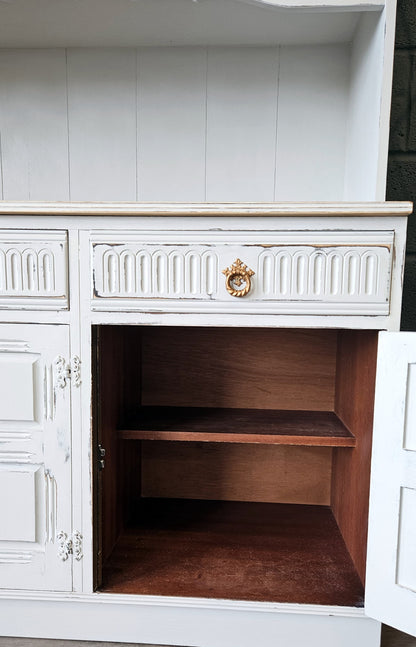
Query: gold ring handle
<point x="238" y="275"/>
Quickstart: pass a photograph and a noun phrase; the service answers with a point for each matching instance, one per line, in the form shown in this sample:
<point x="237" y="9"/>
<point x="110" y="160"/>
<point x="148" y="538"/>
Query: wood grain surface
<point x="266" y="426"/>
<point x="269" y="473"/>
<point x="354" y="404"/>
<point x="232" y="367"/>
<point x="240" y="551"/>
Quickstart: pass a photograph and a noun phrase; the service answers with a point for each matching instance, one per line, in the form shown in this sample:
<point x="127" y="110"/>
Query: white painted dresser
<point x="193" y="220"/>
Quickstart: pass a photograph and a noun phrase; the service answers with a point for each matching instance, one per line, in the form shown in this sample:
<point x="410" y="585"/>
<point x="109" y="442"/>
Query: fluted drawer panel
<point x="294" y="272"/>
<point x="33" y="269"/>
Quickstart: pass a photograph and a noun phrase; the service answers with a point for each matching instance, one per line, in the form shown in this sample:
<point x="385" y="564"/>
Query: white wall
<point x="185" y="124"/>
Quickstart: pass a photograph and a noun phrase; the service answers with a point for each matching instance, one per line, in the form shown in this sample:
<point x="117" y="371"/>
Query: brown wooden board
<point x="356" y="374"/>
<point x="236" y="472"/>
<point x="265" y="426"/>
<point x="238" y="551"/>
<point x="239" y="368"/>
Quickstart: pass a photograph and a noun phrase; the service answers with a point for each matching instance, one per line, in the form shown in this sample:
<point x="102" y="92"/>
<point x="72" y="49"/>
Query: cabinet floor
<point x="234" y="550"/>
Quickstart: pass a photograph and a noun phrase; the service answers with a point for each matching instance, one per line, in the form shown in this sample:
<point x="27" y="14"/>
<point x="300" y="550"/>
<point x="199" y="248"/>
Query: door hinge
<point x="101" y="455"/>
<point x="64" y="371"/>
<point x="69" y="545"/>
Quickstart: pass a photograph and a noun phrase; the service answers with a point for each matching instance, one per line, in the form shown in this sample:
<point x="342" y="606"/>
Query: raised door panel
<point x="35" y="458"/>
<point x="391" y="560"/>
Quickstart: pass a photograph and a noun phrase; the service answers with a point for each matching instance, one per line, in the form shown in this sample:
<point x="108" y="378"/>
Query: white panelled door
<point x="391" y="562"/>
<point x="35" y="458"/>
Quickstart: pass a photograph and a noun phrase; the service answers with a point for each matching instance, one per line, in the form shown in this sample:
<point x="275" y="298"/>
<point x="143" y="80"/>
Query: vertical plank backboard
<point x="313" y="93"/>
<point x="391" y="564"/>
<point x="241" y="123"/>
<point x="33" y="125"/>
<point x="171" y="123"/>
<point x="102" y="123"/>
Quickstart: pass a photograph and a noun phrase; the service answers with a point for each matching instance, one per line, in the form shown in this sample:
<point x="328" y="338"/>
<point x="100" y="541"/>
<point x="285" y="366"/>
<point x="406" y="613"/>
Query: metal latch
<point x="64" y="371"/>
<point x="101" y="455"/>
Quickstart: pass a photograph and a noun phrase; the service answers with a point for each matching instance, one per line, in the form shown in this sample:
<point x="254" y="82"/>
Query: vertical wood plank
<point x="354" y="404"/>
<point x="313" y="89"/>
<point x="241" y="123"/>
<point x="102" y="123"/>
<point x="33" y="125"/>
<point x="171" y="123"/>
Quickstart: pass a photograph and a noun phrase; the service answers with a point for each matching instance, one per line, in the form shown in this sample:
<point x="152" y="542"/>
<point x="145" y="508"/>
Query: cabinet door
<point x="391" y="559"/>
<point x="35" y="458"/>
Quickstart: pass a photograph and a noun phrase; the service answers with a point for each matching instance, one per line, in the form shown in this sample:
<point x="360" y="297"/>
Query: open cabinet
<point x="241" y="456"/>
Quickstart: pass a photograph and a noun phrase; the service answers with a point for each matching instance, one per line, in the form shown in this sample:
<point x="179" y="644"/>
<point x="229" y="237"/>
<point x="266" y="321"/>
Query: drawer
<point x="33" y="269"/>
<point x="297" y="272"/>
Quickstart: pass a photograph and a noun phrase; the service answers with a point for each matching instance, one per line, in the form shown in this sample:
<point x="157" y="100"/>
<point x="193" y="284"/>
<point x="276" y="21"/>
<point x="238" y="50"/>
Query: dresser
<point x="207" y="417"/>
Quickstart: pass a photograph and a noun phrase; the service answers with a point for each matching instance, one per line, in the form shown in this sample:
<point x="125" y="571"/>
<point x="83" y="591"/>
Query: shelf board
<point x="265" y="426"/>
<point x="47" y="23"/>
<point x="234" y="550"/>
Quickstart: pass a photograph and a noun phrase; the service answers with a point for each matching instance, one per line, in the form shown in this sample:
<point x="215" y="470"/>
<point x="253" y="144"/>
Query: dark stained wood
<point x="354" y="404"/>
<point x="238" y="551"/>
<point x="237" y="472"/>
<point x="117" y="387"/>
<point x="265" y="426"/>
<point x="255" y="368"/>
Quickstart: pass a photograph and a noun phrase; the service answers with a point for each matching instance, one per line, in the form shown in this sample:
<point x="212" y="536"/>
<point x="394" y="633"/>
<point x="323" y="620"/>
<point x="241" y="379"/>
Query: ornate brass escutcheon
<point x="236" y="276"/>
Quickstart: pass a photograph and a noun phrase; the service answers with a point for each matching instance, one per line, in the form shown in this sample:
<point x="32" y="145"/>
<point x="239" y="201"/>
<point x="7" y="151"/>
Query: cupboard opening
<point x="237" y="462"/>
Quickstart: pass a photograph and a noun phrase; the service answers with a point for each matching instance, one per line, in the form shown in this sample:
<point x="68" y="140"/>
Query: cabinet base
<point x="194" y="623"/>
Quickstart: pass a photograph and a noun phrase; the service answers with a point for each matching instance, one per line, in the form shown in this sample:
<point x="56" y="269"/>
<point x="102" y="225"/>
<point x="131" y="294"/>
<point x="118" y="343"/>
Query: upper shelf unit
<point x="129" y="23"/>
<point x="195" y="101"/>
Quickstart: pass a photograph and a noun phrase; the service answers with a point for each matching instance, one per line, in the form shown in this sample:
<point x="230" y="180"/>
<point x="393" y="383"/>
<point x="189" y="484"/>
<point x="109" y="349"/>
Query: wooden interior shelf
<point x="234" y="550"/>
<point x="221" y="425"/>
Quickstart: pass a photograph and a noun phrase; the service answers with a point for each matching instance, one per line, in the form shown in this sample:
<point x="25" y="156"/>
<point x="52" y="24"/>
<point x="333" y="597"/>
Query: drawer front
<point x="292" y="272"/>
<point x="33" y="269"/>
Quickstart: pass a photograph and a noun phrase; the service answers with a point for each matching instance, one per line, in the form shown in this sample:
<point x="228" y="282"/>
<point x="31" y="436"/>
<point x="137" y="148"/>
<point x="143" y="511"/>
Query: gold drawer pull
<point x="237" y="275"/>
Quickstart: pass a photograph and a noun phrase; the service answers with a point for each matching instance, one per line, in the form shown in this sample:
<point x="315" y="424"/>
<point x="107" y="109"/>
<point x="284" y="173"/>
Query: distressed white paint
<point x="33" y="124"/>
<point x="186" y="621"/>
<point x="298" y="272"/>
<point x="391" y="565"/>
<point x="33" y="269"/>
<point x="35" y="459"/>
<point x="141" y="618"/>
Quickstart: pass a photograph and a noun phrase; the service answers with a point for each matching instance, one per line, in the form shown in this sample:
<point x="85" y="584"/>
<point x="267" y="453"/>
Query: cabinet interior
<point x="237" y="462"/>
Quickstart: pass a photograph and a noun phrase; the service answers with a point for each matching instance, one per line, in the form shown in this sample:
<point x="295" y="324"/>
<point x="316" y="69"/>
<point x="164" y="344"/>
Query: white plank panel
<point x="171" y="123"/>
<point x="33" y="125"/>
<point x="313" y="90"/>
<point x="102" y="123"/>
<point x="241" y="123"/>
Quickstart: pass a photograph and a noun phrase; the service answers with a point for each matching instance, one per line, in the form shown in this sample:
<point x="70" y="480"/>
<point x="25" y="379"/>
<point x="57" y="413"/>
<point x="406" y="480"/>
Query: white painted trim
<point x="207" y="209"/>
